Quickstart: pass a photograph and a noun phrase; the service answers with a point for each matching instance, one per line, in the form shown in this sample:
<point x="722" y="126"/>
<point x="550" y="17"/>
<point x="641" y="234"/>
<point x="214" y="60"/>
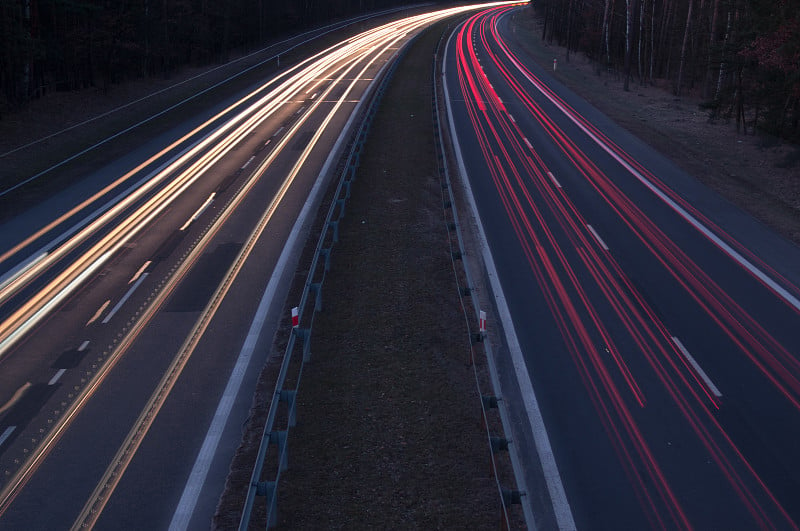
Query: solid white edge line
<point x="197" y="477"/>
<point x="7" y="434"/>
<point x="597" y="237"/>
<point x="124" y="299"/>
<point x="697" y="367"/>
<point x="555" y="486"/>
<point x="58" y="375"/>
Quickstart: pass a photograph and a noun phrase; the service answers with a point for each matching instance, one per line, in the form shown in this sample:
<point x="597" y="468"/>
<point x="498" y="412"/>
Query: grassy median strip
<point x="388" y="432"/>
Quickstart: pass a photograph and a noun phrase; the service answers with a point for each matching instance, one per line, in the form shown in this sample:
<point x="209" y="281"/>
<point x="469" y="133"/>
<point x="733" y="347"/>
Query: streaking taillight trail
<point x="592" y="298"/>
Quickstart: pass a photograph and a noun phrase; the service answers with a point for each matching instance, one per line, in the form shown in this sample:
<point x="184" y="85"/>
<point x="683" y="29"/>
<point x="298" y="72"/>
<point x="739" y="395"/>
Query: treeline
<point x="56" y="45"/>
<point x="741" y="56"/>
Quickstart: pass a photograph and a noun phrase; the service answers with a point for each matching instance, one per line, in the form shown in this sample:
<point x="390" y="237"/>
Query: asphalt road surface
<point x="656" y="325"/>
<point x="137" y="307"/>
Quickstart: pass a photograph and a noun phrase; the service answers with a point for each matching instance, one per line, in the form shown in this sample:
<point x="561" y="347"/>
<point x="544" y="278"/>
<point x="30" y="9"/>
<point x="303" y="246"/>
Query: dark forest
<point x="742" y="57"/>
<point x="60" y="45"/>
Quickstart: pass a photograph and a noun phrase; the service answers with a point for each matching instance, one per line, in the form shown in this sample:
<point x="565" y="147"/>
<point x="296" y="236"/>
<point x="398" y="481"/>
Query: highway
<point x="134" y="320"/>
<point x="651" y="324"/>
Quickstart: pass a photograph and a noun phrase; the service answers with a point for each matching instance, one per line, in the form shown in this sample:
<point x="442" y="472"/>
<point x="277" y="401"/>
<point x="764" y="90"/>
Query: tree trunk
<point x="723" y="63"/>
<point x="683" y="48"/>
<point x="630" y="10"/>
<point x="709" y="64"/>
<point x="641" y="33"/>
<point x="569" y="25"/>
<point x="652" y="39"/>
<point x="604" y="48"/>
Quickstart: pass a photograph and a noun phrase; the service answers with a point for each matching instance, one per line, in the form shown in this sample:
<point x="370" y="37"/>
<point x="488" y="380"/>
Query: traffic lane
<point x="478" y="194"/>
<point x="267" y="189"/>
<point x="754" y="236"/>
<point x="201" y="386"/>
<point x="345" y="107"/>
<point x="588" y="471"/>
<point x="148" y="468"/>
<point x="110" y="244"/>
<point x="697" y="328"/>
<point x="745" y="290"/>
<point x="784" y="438"/>
<point x="226" y="173"/>
<point x="134" y="378"/>
<point x="107" y="183"/>
<point x="68" y="328"/>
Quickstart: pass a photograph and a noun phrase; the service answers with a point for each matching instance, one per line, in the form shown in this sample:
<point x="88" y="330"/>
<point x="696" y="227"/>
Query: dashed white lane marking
<point x="57" y="376"/>
<point x="83" y="346"/>
<point x="528" y="143"/>
<point x="124" y="298"/>
<point x="697" y="367"/>
<point x="597" y="236"/>
<point x="553" y="178"/>
<point x="511" y="117"/>
<point x="99" y="312"/>
<point x="202" y="209"/>
<point x="246" y="164"/>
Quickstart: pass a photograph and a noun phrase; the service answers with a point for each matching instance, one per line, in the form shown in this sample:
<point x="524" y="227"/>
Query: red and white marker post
<point x="482" y="323"/>
<point x="295" y="317"/>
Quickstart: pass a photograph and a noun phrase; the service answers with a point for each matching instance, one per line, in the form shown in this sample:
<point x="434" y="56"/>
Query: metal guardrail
<point x="274" y="441"/>
<point x="490" y="399"/>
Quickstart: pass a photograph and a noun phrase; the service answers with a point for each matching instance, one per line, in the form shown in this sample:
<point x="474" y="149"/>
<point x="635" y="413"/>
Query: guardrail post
<point x="510" y="497"/>
<point x="340" y="202"/>
<point x="335" y="226"/>
<point x="316" y="287"/>
<point x="347" y="189"/>
<point x="288" y="397"/>
<point x="498" y="444"/>
<point x="488" y="402"/>
<point x="279" y="439"/>
<point x="326" y="253"/>
<point x="304" y="334"/>
<point x="270" y="490"/>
